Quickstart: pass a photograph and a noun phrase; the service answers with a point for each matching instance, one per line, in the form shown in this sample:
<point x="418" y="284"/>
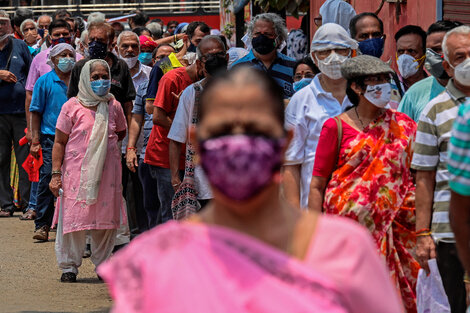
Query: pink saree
<point x="187" y="267"/>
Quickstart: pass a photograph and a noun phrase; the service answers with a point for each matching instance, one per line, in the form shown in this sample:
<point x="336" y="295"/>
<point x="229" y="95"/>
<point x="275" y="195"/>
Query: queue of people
<point x="316" y="184"/>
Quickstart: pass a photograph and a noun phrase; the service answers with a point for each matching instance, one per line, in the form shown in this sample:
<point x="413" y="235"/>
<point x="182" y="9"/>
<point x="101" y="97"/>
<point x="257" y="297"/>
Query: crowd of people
<point x="264" y="178"/>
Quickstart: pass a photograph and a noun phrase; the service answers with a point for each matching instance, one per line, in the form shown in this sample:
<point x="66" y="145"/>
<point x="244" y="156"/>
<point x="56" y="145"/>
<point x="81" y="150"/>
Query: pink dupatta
<point x="187" y="267"/>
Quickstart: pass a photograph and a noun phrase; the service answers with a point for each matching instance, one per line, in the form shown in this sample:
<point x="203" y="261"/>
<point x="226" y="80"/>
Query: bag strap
<point x="339" y="126"/>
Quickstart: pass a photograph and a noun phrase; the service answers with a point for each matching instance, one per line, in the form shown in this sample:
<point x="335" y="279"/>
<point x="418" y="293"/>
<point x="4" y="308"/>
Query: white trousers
<point x="69" y="248"/>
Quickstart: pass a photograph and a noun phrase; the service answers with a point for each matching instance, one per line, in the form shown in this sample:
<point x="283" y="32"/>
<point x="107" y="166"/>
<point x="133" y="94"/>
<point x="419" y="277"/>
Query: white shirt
<point x="308" y="109"/>
<point x="141" y="76"/>
<point x="179" y="133"/>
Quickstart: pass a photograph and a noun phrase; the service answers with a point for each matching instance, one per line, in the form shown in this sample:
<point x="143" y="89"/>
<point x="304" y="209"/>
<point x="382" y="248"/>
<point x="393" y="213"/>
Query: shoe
<point x="68" y="277"/>
<point x="29" y="215"/>
<point x="87" y="252"/>
<point x="42" y="233"/>
<point x="5" y="213"/>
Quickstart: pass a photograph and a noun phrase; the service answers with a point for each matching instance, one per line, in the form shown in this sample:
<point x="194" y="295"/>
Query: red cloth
<point x="147" y="42"/>
<point x="170" y="88"/>
<point x="326" y="154"/>
<point x="32" y="166"/>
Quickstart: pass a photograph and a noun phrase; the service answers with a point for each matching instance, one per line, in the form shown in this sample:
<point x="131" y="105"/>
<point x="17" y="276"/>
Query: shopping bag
<point x="430" y="293"/>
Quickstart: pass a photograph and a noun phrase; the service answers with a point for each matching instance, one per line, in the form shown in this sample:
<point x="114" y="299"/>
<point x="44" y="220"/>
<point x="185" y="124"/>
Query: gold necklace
<point x="357" y="114"/>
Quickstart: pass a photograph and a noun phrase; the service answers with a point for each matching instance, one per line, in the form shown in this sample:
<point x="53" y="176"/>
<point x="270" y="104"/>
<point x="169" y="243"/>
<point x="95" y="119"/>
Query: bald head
<point x="210" y="44"/>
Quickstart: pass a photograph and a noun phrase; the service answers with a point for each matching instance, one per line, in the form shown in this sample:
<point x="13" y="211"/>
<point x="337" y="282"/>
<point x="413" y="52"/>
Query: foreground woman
<point x="249" y="251"/>
<point x="369" y="180"/>
<point x="86" y="164"/>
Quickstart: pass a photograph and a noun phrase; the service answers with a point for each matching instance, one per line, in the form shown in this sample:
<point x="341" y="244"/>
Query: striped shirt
<point x="282" y="70"/>
<point x="459" y="152"/>
<point x="430" y="153"/>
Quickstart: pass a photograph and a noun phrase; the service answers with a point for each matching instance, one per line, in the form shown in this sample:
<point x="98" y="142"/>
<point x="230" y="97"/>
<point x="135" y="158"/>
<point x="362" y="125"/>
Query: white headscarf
<point x="337" y="11"/>
<point x="332" y="36"/>
<point x="95" y="156"/>
<point x="57" y="49"/>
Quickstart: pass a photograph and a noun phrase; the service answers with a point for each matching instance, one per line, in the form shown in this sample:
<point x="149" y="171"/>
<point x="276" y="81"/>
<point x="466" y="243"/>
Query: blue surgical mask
<point x="373" y="47"/>
<point x="101" y="86"/>
<point x="302" y="83"/>
<point x="65" y="65"/>
<point x="145" y="58"/>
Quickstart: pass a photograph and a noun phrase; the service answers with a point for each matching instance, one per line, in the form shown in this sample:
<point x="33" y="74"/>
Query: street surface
<point x="30" y="278"/>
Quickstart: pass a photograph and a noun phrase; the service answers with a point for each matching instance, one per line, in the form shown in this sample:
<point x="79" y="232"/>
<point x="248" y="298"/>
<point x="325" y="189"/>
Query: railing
<point x="179" y="7"/>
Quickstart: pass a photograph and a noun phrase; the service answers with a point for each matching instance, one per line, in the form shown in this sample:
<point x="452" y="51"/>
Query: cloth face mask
<point x="407" y="65"/>
<point x="61" y="40"/>
<point x="215" y="63"/>
<point x="263" y="44"/>
<point x="101" y="86"/>
<point x="379" y="95"/>
<point x="240" y="166"/>
<point x="462" y="72"/>
<point x="65" y="65"/>
<point x="145" y="58"/>
<point x="97" y="50"/>
<point x="373" y="47"/>
<point x="302" y="83"/>
<point x="331" y="65"/>
<point x="130" y="61"/>
<point x="433" y="64"/>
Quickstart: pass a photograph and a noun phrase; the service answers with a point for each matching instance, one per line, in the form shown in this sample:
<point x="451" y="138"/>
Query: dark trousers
<point x="164" y="189"/>
<point x="133" y="193"/>
<point x="452" y="272"/>
<point x="151" y="202"/>
<point x="44" y="196"/>
<point x="12" y="128"/>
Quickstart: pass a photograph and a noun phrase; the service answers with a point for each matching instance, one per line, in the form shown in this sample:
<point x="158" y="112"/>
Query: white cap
<point x="332" y="36"/>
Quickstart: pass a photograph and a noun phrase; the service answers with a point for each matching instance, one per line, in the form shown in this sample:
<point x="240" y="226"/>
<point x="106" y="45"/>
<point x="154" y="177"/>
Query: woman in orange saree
<point x="369" y="180"/>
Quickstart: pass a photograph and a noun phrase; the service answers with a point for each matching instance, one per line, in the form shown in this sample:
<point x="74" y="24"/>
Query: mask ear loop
<point x="420" y="61"/>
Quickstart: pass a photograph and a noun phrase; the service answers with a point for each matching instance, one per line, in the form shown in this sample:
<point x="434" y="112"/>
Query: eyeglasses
<point x="325" y="53"/>
<point x="217" y="54"/>
<point x="298" y="77"/>
<point x="375" y="80"/>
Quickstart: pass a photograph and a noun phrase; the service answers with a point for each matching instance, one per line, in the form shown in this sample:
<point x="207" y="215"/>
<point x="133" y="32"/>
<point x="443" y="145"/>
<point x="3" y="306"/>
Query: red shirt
<point x="170" y="86"/>
<point x="327" y="148"/>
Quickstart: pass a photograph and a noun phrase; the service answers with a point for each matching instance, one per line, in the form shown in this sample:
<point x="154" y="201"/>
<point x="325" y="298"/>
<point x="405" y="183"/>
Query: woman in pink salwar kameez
<point x="248" y="250"/>
<point x="86" y="164"/>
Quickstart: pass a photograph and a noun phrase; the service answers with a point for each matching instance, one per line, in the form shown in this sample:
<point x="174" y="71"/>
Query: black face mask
<point x="263" y="44"/>
<point x="97" y="50"/>
<point x="215" y="63"/>
<point x="433" y="64"/>
<point x="192" y="48"/>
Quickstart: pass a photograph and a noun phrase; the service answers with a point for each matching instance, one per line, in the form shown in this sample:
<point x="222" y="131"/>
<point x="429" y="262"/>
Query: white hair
<point x="26" y="21"/>
<point x="45" y="15"/>
<point x="278" y="23"/>
<point x="127" y="33"/>
<point x="96" y="17"/>
<point x="155" y="29"/>
<point x="4" y="14"/>
<point x="84" y="36"/>
<point x="461" y="30"/>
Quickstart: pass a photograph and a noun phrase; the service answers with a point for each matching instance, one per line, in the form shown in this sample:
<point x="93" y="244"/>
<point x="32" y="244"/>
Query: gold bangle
<point x="423" y="234"/>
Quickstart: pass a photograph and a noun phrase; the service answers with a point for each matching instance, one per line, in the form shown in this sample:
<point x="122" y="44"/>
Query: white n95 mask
<point x="331" y="65"/>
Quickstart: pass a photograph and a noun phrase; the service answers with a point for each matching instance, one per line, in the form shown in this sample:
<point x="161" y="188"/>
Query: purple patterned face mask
<point x="240" y="166"/>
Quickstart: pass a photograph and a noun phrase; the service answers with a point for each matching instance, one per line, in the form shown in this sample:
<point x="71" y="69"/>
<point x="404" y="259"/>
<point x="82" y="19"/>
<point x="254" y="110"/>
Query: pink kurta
<point x="77" y="121"/>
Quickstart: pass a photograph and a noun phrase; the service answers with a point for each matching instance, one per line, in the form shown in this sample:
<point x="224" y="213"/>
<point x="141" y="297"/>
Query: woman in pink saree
<point x="248" y="250"/>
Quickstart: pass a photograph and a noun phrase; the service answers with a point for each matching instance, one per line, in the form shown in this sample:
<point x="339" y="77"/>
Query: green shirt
<point x="459" y="152"/>
<point x="418" y="95"/>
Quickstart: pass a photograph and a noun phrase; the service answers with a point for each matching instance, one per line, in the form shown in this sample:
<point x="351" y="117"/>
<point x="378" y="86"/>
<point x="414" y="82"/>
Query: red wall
<point x="417" y="12"/>
<point x="212" y="20"/>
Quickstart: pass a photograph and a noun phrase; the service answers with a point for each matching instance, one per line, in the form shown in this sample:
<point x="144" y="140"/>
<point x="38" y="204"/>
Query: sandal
<point x="29" y="215"/>
<point x="5" y="213"/>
